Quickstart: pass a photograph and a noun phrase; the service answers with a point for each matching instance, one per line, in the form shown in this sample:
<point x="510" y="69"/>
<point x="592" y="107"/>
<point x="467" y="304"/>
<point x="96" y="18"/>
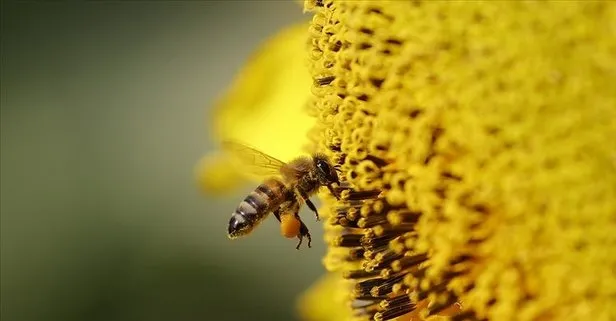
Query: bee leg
<point x="309" y="203"/>
<point x="300" y="242"/>
<point x="303" y="232"/>
<point x="331" y="190"/>
<point x="312" y="208"/>
<point x="277" y="215"/>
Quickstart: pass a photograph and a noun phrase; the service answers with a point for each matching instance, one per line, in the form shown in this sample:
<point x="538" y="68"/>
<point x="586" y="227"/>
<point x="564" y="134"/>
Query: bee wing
<point x="253" y="161"/>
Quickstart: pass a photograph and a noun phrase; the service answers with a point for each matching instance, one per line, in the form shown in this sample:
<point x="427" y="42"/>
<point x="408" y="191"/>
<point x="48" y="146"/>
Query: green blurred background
<point x="104" y="116"/>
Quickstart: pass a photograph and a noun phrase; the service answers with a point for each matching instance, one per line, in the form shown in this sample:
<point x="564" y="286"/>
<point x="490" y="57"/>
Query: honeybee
<point x="286" y="187"/>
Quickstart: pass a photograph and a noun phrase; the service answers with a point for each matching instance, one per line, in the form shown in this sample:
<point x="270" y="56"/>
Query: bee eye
<point x="323" y="166"/>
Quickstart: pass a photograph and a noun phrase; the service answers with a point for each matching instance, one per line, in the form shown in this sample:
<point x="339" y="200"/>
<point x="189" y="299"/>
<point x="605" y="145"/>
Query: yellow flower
<point x="477" y="140"/>
<point x="264" y="107"/>
<point x="326" y="300"/>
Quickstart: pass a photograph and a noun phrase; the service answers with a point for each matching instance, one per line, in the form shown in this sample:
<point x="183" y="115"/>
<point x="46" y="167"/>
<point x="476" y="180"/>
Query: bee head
<point x="238" y="226"/>
<point x="326" y="172"/>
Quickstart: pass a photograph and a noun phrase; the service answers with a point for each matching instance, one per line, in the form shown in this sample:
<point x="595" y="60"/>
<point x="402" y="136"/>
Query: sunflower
<point x="474" y="139"/>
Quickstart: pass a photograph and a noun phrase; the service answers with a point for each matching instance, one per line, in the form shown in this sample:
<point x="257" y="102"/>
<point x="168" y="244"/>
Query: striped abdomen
<point x="255" y="207"/>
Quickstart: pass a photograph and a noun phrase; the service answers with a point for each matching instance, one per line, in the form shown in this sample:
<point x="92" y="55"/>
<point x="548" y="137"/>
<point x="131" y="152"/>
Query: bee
<point x="286" y="188"/>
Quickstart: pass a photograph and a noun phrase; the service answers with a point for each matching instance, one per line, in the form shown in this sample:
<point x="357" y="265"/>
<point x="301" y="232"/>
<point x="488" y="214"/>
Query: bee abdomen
<point x="253" y="203"/>
<point x="272" y="192"/>
<point x="255" y="207"/>
<point x="247" y="215"/>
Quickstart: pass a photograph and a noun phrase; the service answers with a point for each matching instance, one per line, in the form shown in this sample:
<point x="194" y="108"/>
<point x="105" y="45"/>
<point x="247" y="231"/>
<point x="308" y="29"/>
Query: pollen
<point x="289" y="226"/>
<point x="476" y="142"/>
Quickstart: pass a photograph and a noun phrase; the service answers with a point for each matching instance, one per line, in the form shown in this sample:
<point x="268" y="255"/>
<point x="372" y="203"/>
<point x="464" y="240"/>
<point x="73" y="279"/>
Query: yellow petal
<point x="264" y="107"/>
<point x="326" y="300"/>
<point x="215" y="175"/>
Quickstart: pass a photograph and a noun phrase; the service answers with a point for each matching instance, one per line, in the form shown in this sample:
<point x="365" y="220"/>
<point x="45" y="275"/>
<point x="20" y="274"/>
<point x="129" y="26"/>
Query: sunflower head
<point x="474" y="143"/>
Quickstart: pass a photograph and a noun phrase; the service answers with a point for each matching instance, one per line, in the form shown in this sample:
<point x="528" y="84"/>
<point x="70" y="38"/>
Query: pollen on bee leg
<point x="289" y="225"/>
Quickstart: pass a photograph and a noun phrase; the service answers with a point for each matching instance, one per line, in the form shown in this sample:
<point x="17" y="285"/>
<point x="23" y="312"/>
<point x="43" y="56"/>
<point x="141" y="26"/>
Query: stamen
<point x="348" y="240"/>
<point x="356" y="254"/>
<point x="408" y="261"/>
<point x="359" y="274"/>
<point x="386" y="286"/>
<point x="363" y="288"/>
<point x="383" y="260"/>
<point x="403" y="218"/>
<point x="397" y="301"/>
<point x="360" y="195"/>
<point x="372" y="299"/>
<point x="370" y="254"/>
<point x="394" y="312"/>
